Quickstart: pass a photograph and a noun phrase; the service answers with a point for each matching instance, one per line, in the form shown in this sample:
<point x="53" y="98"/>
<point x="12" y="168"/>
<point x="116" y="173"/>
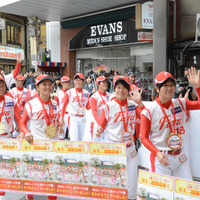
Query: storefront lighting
<point x="7" y="2"/>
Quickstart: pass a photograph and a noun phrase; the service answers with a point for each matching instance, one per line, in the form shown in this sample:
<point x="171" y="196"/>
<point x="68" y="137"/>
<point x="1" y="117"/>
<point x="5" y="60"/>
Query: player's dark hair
<point x="159" y="85"/>
<point x="124" y="83"/>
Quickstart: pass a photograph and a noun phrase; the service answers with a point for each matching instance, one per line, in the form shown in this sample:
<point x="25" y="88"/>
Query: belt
<point x="174" y="153"/>
<point x="77" y="115"/>
<point x="4" y="134"/>
<point x="129" y="145"/>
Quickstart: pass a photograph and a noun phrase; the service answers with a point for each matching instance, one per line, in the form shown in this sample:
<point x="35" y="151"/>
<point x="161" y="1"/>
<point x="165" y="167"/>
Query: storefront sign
<point x="10" y="52"/>
<point x="64" y="168"/>
<point x="147" y="15"/>
<point x="145" y="36"/>
<point x="112" y="33"/>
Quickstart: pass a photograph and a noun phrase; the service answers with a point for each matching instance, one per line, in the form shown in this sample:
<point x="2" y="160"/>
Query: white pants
<point x="178" y="167"/>
<point x="132" y="169"/>
<point x="93" y="129"/>
<point x="64" y="127"/>
<point x="76" y="127"/>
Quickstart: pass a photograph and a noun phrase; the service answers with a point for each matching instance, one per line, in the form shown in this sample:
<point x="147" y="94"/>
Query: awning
<point x="51" y="64"/>
<point x="99" y="18"/>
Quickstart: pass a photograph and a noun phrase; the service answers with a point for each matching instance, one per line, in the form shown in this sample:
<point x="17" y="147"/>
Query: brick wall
<point x="66" y="55"/>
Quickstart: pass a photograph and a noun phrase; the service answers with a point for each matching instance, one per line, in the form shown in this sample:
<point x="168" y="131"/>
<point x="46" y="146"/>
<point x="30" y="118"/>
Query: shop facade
<point x="112" y="46"/>
<point x="12" y="41"/>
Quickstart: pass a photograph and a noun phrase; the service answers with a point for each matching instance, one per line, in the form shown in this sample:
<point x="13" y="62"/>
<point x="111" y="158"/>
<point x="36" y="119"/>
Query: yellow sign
<point x="112" y="149"/>
<point x="10" y="145"/>
<point x="156" y="180"/>
<point x="71" y="147"/>
<point x="187" y="188"/>
<point x="38" y="146"/>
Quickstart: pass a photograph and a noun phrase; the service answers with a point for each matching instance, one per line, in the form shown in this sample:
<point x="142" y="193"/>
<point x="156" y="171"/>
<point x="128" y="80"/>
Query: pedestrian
<point x="97" y="101"/>
<point x="163" y="126"/>
<point x="118" y="118"/>
<point x="59" y="98"/>
<point x="89" y="85"/>
<point x="42" y="113"/>
<point x="10" y="107"/>
<point x="76" y="101"/>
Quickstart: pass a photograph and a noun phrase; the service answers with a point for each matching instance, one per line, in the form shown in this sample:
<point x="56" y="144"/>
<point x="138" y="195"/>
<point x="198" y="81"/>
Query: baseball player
<point x="59" y="96"/>
<point x="42" y="113"/>
<point x="8" y="111"/>
<point x="163" y="126"/>
<point x="20" y="94"/>
<point x="97" y="101"/>
<point x="76" y="100"/>
<point x="118" y="119"/>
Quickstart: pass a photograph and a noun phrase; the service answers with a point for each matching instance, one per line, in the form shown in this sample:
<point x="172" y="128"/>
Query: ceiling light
<point x="7" y="2"/>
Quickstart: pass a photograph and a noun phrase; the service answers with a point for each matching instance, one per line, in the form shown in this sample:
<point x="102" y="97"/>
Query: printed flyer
<point x="186" y="190"/>
<point x="155" y="186"/>
<point x="64" y="168"/>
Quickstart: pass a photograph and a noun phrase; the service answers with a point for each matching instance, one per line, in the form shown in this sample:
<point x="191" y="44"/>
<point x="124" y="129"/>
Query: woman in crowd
<point x="76" y="101"/>
<point x="42" y="113"/>
<point x="97" y="101"/>
<point x="163" y="126"/>
<point x="118" y="119"/>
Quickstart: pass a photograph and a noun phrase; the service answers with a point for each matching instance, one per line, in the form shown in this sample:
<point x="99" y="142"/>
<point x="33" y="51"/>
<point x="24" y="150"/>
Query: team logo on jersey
<point x="131" y="110"/>
<point x="119" y="116"/>
<point x="85" y="95"/>
<point x="178" y="111"/>
<point x="9" y="104"/>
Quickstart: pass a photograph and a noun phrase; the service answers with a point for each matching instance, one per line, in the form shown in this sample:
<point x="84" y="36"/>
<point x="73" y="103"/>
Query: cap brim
<point x="121" y="79"/>
<point x="78" y="77"/>
<point x="46" y="78"/>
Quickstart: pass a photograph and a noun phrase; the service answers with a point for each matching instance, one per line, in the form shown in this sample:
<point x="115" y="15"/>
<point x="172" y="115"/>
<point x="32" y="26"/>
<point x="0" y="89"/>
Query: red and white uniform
<point x="10" y="111"/>
<point x="73" y="100"/>
<point x="34" y="113"/>
<point x="59" y="98"/>
<point x="155" y="130"/>
<point x="20" y="95"/>
<point x="97" y="102"/>
<point x="10" y="78"/>
<point x="113" y="121"/>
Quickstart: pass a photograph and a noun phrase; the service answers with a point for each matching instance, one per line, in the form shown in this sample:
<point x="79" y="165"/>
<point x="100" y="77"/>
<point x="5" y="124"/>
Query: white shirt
<point x="37" y="118"/>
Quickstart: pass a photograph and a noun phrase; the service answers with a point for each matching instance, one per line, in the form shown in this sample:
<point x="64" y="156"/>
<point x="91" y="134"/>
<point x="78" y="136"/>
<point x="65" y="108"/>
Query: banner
<point x="64" y="168"/>
<point x="156" y="186"/>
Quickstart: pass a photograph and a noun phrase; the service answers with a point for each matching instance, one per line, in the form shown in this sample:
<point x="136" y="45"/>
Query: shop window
<point x="13" y="34"/>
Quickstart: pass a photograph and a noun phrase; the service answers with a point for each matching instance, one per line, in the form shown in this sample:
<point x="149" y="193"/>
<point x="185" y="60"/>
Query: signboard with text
<point x="10" y="52"/>
<point x="112" y="33"/>
<point x="64" y="168"/>
<point x="156" y="186"/>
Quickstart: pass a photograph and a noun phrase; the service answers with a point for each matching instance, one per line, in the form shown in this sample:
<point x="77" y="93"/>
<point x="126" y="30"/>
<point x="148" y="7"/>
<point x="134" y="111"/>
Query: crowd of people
<point x="116" y="107"/>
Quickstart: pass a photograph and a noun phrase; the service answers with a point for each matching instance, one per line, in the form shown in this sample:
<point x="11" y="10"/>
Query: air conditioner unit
<point x="197" y="27"/>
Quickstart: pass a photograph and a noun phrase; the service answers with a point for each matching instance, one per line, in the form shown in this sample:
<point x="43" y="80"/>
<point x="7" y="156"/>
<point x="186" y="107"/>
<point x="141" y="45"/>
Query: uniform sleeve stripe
<point x="30" y="108"/>
<point x="149" y="115"/>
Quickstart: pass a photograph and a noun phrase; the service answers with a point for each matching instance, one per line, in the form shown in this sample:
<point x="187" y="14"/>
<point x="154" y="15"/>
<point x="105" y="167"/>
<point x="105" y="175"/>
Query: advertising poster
<point x="186" y="190"/>
<point x="155" y="186"/>
<point x="64" y="168"/>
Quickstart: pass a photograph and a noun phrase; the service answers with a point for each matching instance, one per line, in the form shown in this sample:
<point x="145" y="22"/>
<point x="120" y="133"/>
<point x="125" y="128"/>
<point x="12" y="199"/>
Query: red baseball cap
<point x="43" y="77"/>
<point x="64" y="79"/>
<point x="20" y="78"/>
<point x="81" y="76"/>
<point x="121" y="78"/>
<point x="100" y="79"/>
<point x="163" y="76"/>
